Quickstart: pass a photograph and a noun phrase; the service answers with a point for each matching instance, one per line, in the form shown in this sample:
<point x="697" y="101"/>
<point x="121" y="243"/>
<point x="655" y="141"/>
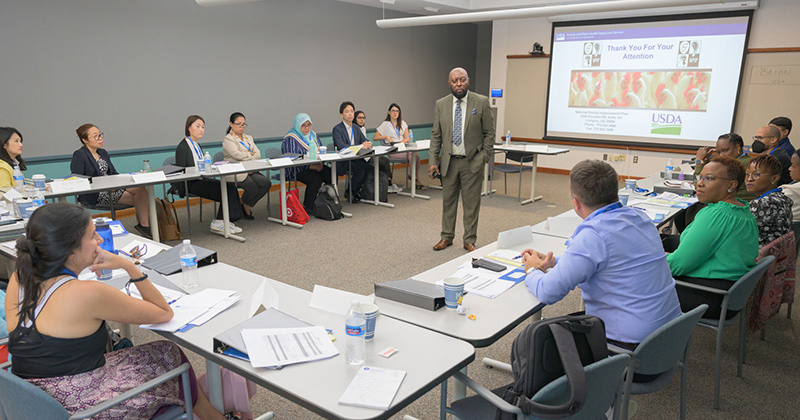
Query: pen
<point x="518" y="257"/>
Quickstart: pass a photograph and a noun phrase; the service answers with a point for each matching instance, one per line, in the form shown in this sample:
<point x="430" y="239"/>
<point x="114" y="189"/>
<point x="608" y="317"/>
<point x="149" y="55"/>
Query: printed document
<point x="269" y="347"/>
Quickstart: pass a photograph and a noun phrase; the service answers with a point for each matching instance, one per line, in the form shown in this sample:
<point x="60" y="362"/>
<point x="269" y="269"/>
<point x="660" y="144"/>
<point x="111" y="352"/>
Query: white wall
<point x="774" y="25"/>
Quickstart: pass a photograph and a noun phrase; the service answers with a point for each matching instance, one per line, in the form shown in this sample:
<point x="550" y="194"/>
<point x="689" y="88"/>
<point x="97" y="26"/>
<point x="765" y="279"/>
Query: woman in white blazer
<point x="240" y="147"/>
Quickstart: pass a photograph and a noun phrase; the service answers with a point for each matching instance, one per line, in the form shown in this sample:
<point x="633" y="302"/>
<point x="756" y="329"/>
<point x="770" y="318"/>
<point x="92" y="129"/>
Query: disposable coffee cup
<point x="453" y="290"/>
<point x="23" y="207"/>
<point x="623" y="198"/>
<point x="38" y="181"/>
<point x="370" y="313"/>
<point x="323" y="150"/>
<point x="630" y="184"/>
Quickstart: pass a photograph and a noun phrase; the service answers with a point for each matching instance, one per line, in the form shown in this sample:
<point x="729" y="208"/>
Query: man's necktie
<point x="457" y="124"/>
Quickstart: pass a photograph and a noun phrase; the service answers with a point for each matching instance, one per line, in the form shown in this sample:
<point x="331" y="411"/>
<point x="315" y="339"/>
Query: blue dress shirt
<point x="616" y="258"/>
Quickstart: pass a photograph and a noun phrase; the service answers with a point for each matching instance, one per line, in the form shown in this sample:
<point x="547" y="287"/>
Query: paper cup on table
<point x="24" y="207"/>
<point x="370" y="313"/>
<point x="630" y="184"/>
<point x="623" y="198"/>
<point x="453" y="290"/>
<point x="323" y="150"/>
<point x="38" y="181"/>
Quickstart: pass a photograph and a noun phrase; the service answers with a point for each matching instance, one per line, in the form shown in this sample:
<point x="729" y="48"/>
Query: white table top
<point x="517" y="147"/>
<point x="494" y="317"/>
<point x="118" y="182"/>
<point x="427" y="357"/>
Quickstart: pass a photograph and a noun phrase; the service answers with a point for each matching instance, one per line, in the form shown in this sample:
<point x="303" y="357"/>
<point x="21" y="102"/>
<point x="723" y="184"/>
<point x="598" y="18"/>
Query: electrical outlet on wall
<point x="605" y="156"/>
<point x="636" y="159"/>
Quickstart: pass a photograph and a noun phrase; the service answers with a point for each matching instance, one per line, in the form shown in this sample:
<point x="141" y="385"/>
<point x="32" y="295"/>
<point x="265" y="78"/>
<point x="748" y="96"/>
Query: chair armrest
<point x="182" y="370"/>
<point x="703" y="288"/>
<point x="5" y="365"/>
<point x="3" y="340"/>
<point x="486" y="394"/>
<point x="619" y="350"/>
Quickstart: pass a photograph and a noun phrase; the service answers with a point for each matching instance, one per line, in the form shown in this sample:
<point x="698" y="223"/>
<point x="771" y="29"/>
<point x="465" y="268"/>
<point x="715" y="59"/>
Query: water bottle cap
<point x="101" y="224"/>
<point x="187" y="241"/>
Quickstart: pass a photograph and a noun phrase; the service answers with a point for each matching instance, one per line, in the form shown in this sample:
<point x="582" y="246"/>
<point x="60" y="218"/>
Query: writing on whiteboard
<point x="775" y="75"/>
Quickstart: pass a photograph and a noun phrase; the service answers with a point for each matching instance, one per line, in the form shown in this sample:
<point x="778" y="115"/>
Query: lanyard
<point x="767" y="193"/>
<point x="399" y="132"/>
<point x="609" y="208"/>
<point x="351" y="134"/>
<point x="196" y="148"/>
<point x="247" y="146"/>
<point x="68" y="271"/>
<point x="774" y="150"/>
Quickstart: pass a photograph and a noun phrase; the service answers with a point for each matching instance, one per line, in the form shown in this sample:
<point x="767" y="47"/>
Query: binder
<point x="231" y="343"/>
<point x="412" y="292"/>
<point x="169" y="261"/>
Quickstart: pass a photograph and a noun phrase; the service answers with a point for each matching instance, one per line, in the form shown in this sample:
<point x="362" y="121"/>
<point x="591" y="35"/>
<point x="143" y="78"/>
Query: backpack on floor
<point x="168" y="227"/>
<point x="545" y="351"/>
<point x="326" y="205"/>
<point x="368" y="190"/>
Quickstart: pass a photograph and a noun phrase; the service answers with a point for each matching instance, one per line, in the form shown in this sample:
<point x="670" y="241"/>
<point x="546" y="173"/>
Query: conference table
<point x="413" y="151"/>
<point x="535" y="151"/>
<point x="428" y="358"/>
<point x="122" y="181"/>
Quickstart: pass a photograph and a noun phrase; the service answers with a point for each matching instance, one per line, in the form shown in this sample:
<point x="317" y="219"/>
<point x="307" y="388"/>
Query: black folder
<point x="412" y="292"/>
<point x="169" y="261"/>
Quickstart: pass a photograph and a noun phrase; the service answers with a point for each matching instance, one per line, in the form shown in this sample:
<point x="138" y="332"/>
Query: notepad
<point x="373" y="387"/>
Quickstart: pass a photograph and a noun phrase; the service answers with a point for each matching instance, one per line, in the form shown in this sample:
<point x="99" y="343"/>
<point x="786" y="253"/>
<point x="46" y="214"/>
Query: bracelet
<point x="136" y="280"/>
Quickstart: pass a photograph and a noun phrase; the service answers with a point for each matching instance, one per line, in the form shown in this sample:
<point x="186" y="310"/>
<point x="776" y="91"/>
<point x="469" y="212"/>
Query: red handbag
<point x="295" y="212"/>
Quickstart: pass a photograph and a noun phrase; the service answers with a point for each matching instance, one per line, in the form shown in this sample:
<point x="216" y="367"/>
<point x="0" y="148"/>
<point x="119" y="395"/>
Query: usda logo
<point x="666" y="124"/>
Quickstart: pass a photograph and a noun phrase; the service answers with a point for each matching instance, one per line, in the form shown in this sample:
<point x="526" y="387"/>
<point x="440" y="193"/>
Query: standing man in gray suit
<point x="463" y="134"/>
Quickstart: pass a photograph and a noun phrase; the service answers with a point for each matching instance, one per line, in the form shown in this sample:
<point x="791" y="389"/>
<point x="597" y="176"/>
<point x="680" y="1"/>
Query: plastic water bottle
<point x="104" y="230"/>
<point x="38" y="198"/>
<point x="312" y="150"/>
<point x="410" y="138"/>
<point x="508" y="138"/>
<point x="201" y="165"/>
<point x="668" y="170"/>
<point x="189" y="265"/>
<point x="207" y="159"/>
<point x="19" y="182"/>
<point x="355" y="327"/>
<point x="146" y="166"/>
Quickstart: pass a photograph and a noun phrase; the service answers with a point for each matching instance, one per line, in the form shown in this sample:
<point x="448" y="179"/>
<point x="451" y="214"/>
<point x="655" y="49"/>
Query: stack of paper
<point x="270" y="347"/>
<point x="191" y="310"/>
<point x="373" y="388"/>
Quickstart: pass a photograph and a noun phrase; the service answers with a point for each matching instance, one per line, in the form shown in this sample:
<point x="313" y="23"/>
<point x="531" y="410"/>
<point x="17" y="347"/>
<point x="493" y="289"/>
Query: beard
<point x="457" y="94"/>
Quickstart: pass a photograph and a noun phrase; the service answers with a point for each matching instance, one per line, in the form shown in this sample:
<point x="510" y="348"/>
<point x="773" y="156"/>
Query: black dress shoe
<point x="248" y="216"/>
<point x="144" y="231"/>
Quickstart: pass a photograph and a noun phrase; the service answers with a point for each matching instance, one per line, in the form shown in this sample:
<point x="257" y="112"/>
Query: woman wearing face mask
<point x="10" y="155"/>
<point x="299" y="140"/>
<point x="188" y="153"/>
<point x="771" y="208"/>
<point x="240" y="147"/>
<point x="92" y="160"/>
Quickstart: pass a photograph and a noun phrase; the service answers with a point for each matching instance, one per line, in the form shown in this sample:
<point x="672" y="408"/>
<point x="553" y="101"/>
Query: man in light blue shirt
<point x="615" y="257"/>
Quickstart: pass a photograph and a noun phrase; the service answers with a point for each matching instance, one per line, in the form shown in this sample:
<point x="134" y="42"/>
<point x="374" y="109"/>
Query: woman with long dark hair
<point x="57" y="334"/>
<point x="394" y="130"/>
<point x="240" y="147"/>
<point x="10" y="155"/>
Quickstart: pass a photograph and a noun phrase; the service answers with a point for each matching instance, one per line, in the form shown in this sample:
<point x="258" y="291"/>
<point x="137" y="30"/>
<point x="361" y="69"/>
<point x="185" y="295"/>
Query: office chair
<point x="507" y="168"/>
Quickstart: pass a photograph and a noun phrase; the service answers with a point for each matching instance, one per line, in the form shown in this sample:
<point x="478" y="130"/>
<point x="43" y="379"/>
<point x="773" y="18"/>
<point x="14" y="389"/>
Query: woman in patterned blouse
<point x="772" y="209"/>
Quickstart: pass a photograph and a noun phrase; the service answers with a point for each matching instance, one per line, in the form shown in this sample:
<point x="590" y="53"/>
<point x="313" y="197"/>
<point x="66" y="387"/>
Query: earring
<point x="730" y="190"/>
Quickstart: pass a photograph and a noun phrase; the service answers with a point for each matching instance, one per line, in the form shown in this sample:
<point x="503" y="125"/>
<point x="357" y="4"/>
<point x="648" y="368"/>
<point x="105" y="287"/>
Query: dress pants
<point x="209" y="189"/>
<point x="255" y="187"/>
<point x="460" y="180"/>
<point x="692" y="298"/>
<point x="313" y="180"/>
<point x="359" y="169"/>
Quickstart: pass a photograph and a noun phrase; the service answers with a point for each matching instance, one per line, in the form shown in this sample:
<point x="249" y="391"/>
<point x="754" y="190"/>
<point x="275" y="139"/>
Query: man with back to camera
<point x="463" y="133"/>
<point x="785" y="126"/>
<point x="769" y="136"/>
<point x="615" y="257"/>
<point x="345" y="134"/>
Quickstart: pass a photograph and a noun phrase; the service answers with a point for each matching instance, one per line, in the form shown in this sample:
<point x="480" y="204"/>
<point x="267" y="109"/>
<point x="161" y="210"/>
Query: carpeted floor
<point x="380" y="244"/>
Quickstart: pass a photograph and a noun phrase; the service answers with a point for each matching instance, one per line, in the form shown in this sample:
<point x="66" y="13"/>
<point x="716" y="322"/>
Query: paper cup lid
<point x="38" y="176"/>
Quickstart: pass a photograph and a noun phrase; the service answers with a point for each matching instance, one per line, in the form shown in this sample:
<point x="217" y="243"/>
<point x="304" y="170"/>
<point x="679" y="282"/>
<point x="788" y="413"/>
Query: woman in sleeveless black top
<point x="59" y="335"/>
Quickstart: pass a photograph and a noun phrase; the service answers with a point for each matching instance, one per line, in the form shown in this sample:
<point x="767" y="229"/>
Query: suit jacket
<point x="83" y="163"/>
<point x="341" y="139"/>
<point x="184" y="156"/>
<point x="478" y="133"/>
<point x="235" y="152"/>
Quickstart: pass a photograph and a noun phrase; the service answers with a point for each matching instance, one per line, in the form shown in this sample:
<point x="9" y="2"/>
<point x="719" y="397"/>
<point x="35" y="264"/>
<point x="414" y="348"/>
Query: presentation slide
<point x="668" y="82"/>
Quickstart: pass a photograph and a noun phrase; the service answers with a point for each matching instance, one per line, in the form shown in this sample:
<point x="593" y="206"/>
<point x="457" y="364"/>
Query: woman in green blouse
<point x="721" y="244"/>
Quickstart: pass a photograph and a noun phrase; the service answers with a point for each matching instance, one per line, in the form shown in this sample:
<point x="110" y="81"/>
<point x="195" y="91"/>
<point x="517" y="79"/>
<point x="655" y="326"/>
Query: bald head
<point x="458" y="82"/>
<point x="769" y="135"/>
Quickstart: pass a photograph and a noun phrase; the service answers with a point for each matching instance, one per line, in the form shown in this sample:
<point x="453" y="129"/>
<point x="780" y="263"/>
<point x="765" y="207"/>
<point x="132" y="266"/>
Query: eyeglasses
<point x="755" y="175"/>
<point x="244" y="125"/>
<point x="759" y="138"/>
<point x="712" y="178"/>
<point x="361" y="117"/>
<point x="97" y="136"/>
<point x="394" y="110"/>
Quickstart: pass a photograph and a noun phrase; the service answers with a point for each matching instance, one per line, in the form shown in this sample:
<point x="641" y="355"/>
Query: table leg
<point x="283" y="220"/>
<point x="214" y="376"/>
<point x="413" y="194"/>
<point x="334" y="181"/>
<point x="486" y="171"/>
<point x="226" y="216"/>
<point x="459" y="389"/>
<point x="377" y="196"/>
<point x="533" y="182"/>
<point x="151" y="200"/>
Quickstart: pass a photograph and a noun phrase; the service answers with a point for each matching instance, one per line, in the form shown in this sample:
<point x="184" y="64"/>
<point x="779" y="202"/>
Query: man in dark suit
<point x="345" y="134"/>
<point x="463" y="134"/>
